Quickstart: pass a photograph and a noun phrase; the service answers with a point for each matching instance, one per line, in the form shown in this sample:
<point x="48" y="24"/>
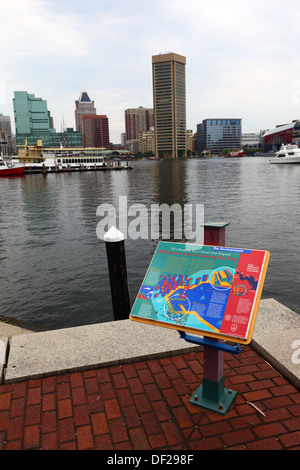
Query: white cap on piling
<point x="113" y="235"/>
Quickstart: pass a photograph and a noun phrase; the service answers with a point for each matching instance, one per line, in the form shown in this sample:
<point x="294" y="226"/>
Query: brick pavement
<point x="144" y="405"/>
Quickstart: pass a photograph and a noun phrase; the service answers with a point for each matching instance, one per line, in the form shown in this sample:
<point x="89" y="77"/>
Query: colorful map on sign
<point x="209" y="289"/>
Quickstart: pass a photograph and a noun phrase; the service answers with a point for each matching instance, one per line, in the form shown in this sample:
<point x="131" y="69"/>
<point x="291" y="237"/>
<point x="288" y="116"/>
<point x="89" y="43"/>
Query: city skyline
<point x="240" y="59"/>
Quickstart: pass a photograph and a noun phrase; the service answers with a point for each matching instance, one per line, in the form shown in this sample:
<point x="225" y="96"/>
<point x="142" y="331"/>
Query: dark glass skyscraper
<point x="169" y="98"/>
<point x="219" y="134"/>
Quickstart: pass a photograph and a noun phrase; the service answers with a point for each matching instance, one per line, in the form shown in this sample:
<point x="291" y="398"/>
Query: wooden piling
<point x="115" y="250"/>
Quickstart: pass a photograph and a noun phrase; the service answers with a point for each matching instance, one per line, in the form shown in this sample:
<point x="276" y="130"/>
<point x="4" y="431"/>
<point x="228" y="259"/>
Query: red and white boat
<point x="10" y="169"/>
<point x="240" y="153"/>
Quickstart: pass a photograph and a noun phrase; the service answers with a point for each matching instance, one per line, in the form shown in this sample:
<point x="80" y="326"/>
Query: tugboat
<point x="10" y="169"/>
<point x="239" y="153"/>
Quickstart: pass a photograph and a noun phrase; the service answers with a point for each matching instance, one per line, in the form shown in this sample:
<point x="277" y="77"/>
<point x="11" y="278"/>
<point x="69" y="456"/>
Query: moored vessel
<point x="8" y="168"/>
<point x="38" y="159"/>
<point x="289" y="153"/>
<point x="239" y="153"/>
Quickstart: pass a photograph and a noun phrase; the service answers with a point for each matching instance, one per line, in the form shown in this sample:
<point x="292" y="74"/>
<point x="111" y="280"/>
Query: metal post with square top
<point x="214" y="233"/>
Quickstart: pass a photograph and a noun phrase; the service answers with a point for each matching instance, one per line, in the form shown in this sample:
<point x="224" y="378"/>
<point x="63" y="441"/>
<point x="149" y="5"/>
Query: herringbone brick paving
<point x="145" y="405"/>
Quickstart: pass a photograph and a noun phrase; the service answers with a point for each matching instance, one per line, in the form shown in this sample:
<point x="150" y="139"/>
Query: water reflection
<point x="40" y="211"/>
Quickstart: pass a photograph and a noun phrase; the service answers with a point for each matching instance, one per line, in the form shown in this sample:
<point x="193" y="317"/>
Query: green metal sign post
<point x="212" y="394"/>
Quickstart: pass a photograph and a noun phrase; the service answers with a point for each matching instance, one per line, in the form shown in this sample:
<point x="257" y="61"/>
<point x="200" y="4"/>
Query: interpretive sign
<point x="213" y="291"/>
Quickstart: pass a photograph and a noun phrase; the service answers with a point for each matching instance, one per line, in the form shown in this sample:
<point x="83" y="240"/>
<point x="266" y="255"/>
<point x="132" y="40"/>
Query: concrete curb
<point x="81" y="348"/>
<point x="277" y="330"/>
<point x="276" y="337"/>
<point x="3" y="356"/>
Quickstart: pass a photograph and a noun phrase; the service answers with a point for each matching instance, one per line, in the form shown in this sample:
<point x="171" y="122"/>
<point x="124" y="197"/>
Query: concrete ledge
<point x="55" y="352"/>
<point x="272" y="316"/>
<point x="280" y="350"/>
<point x="73" y="349"/>
<point x="276" y="337"/>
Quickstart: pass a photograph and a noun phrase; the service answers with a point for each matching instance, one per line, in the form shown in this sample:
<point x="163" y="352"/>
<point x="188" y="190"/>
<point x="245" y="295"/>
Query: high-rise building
<point x="123" y="139"/>
<point x="95" y="131"/>
<point x="147" y="142"/>
<point x="83" y="107"/>
<point x="169" y="98"/>
<point x="34" y="122"/>
<point x="6" y="138"/>
<point x="32" y="119"/>
<point x="219" y="134"/>
<point x="137" y="120"/>
<point x="189" y="140"/>
<point x="150" y="119"/>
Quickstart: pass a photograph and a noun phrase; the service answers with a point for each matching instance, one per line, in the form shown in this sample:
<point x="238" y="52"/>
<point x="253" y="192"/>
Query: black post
<point x="115" y="250"/>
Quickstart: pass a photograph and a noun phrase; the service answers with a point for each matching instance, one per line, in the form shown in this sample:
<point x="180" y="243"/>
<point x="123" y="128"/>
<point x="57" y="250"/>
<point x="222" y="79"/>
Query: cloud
<point x="34" y="30"/>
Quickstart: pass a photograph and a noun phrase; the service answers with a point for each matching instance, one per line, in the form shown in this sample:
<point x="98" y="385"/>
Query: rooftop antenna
<point x="63" y="125"/>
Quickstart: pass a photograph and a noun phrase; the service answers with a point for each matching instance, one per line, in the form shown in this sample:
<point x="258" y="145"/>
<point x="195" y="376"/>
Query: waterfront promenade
<point x="126" y="386"/>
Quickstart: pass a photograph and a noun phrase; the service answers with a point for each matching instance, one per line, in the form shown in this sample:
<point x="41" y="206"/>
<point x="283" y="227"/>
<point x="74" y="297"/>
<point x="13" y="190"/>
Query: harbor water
<point x="53" y="267"/>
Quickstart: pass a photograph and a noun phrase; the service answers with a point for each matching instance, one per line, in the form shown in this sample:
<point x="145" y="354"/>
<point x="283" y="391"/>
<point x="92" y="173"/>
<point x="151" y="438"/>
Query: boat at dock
<point x="8" y="168"/>
<point x="239" y="153"/>
<point x="289" y="153"/>
<point x="75" y="164"/>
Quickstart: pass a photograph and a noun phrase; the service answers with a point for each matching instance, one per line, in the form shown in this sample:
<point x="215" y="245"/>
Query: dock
<point x="30" y="171"/>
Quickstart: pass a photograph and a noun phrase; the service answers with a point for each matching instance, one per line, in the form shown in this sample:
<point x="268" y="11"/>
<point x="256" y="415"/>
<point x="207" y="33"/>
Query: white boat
<point x="38" y="159"/>
<point x="63" y="160"/>
<point x="289" y="153"/>
<point x="70" y="159"/>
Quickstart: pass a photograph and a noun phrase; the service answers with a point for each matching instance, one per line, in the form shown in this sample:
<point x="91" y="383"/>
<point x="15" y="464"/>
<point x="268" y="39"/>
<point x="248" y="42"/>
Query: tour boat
<point x="40" y="159"/>
<point x="72" y="159"/>
<point x="10" y="169"/>
<point x="289" y="153"/>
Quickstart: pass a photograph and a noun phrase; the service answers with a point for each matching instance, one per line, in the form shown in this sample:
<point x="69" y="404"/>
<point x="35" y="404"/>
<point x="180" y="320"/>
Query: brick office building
<point x="95" y="131"/>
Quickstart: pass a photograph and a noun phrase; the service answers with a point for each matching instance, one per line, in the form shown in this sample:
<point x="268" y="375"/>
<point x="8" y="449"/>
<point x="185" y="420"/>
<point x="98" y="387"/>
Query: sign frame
<point x="258" y="270"/>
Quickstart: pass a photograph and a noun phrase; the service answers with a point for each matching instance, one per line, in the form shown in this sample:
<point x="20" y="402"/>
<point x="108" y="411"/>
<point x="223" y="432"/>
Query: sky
<point x="242" y="57"/>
